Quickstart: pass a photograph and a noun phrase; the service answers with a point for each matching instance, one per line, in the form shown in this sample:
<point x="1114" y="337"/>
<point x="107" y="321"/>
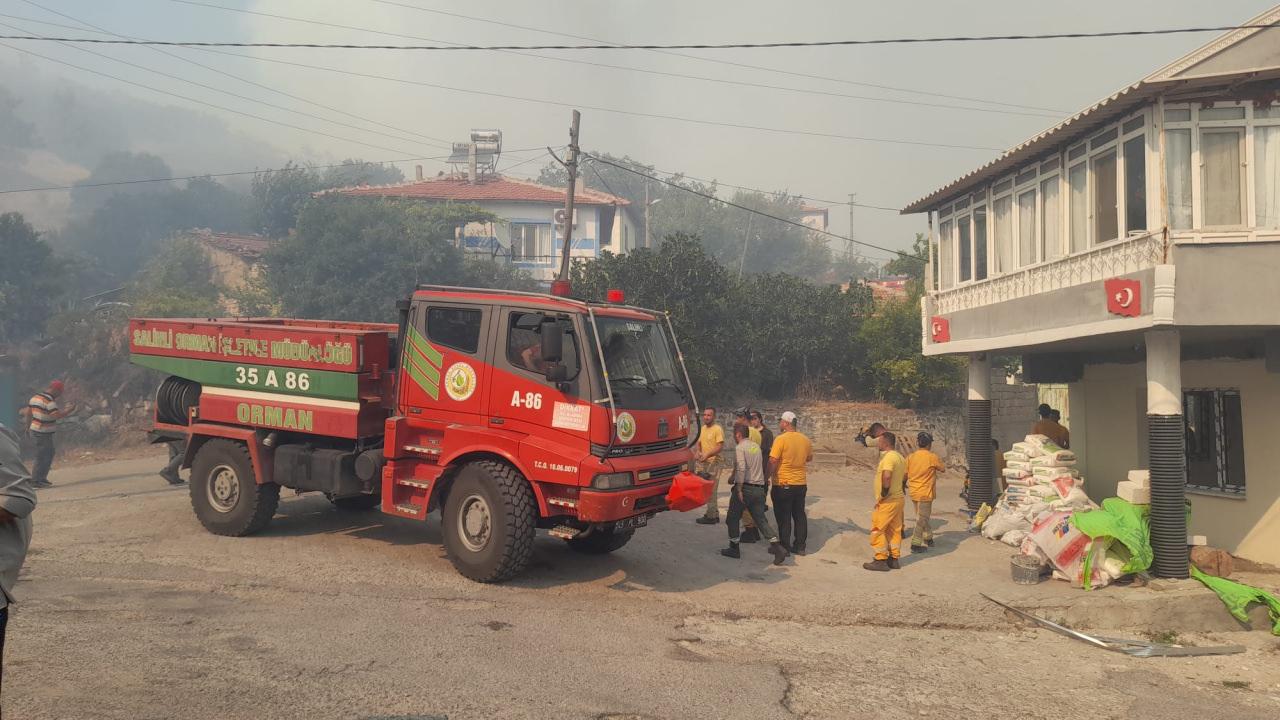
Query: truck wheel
<point x="224" y="492"/>
<point x="355" y="503"/>
<point x="601" y="542"/>
<point x="488" y="522"/>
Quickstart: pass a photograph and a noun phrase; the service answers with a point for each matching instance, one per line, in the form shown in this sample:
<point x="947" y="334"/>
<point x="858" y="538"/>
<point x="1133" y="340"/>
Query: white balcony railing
<point x="1106" y="261"/>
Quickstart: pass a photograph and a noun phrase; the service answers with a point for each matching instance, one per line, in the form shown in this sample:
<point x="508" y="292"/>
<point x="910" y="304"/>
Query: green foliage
<point x="279" y="196"/>
<point x="763" y="336"/>
<point x="359" y="172"/>
<point x="29" y="280"/>
<point x="351" y="259"/>
<point x="895" y="370"/>
<point x="177" y="282"/>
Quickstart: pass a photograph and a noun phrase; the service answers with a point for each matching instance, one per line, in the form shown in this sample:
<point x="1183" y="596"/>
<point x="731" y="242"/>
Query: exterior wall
<point x="1013" y="409"/>
<point x="1228" y="284"/>
<point x="1110" y="435"/>
<point x="230" y="270"/>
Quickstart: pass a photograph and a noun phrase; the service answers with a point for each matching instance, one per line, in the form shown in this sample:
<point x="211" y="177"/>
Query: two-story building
<point x="1132" y="251"/>
<point x="527" y="234"/>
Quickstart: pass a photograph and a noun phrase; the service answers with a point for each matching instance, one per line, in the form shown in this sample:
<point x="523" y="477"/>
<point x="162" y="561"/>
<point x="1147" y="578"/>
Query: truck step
<point x="409" y="509"/>
<point x="413" y="483"/>
<point x="565" y="532"/>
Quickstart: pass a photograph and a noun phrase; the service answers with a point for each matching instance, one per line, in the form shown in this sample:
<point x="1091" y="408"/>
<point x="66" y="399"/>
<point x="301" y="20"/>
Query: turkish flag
<point x="940" y="329"/>
<point x="1124" y="297"/>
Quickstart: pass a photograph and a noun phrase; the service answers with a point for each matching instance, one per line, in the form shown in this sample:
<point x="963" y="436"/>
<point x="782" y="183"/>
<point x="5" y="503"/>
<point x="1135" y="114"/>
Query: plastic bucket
<point x="1025" y="569"/>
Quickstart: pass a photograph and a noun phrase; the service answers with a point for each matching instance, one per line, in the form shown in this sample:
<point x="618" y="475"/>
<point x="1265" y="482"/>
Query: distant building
<point x="893" y="287"/>
<point x="815" y="217"/>
<point x="528" y="235"/>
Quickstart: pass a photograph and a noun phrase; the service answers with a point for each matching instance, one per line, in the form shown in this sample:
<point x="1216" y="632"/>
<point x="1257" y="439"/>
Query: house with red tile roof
<point x="527" y="234"/>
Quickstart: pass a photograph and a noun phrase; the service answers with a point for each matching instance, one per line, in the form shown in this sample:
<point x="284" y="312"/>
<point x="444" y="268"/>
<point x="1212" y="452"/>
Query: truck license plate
<point x="632" y="523"/>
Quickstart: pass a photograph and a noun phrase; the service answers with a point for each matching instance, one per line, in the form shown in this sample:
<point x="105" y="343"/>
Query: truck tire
<point x="355" y="503"/>
<point x="601" y="542"/>
<point x="225" y="494"/>
<point x="488" y="522"/>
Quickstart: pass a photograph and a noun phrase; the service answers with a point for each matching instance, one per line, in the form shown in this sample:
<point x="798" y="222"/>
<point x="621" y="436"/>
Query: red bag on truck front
<point x="688" y="492"/>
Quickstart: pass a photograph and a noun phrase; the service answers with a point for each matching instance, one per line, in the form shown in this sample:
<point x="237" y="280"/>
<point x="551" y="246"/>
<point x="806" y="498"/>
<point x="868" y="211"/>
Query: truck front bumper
<point x="608" y="505"/>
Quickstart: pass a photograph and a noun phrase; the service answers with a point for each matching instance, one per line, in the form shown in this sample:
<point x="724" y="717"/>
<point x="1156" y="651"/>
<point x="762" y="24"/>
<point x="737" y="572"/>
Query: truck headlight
<point x="611" y="481"/>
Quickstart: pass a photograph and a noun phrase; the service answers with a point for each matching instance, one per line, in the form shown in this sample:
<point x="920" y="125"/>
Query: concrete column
<point x="978" y="450"/>
<point x="1167" y="443"/>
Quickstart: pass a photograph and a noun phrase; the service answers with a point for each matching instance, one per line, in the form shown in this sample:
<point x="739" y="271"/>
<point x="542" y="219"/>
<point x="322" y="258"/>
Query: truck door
<point x="445" y="373"/>
<point x="523" y="398"/>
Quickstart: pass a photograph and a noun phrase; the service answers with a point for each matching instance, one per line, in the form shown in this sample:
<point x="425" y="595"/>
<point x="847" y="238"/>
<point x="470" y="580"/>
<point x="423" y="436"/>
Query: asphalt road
<point x="129" y="609"/>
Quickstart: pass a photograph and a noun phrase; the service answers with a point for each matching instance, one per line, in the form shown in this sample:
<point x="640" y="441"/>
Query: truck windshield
<point x="642" y="367"/>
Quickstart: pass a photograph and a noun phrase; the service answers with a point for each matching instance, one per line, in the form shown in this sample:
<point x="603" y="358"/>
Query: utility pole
<point x="571" y="164"/>
<point x="647" y="241"/>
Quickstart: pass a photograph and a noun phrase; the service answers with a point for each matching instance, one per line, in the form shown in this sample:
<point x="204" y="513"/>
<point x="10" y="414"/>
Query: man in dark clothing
<point x="17" y="500"/>
<point x="750" y="534"/>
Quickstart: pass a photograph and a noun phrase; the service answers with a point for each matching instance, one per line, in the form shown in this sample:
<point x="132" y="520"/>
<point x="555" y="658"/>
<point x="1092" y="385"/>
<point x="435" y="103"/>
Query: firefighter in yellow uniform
<point x="886" y="518"/>
<point x="923" y="467"/>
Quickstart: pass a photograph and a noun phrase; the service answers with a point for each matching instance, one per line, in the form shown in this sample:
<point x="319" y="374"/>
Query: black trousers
<point x="4" y="626"/>
<point x="788" y="508"/>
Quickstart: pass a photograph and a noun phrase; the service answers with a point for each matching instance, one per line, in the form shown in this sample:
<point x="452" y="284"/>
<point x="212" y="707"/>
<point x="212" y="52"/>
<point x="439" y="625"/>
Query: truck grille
<point x="662" y="473"/>
<point x="644" y="449"/>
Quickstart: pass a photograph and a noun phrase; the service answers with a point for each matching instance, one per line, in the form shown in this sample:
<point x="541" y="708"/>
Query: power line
<point x="717" y="61"/>
<point x="662" y="73"/>
<point x="634" y="113"/>
<point x="713" y="198"/>
<point x="240" y="97"/>
<point x="654" y="46"/>
<point x="210" y="68"/>
<point x="141" y="181"/>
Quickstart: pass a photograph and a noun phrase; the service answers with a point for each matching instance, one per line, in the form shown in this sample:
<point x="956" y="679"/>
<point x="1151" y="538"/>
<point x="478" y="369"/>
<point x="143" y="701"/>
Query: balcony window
<point x="1266" y="181"/>
<point x="946" y="263"/>
<point x="1105" y="203"/>
<point x="1135" y="184"/>
<point x="1003" y="233"/>
<point x="1050" y="219"/>
<point x="1078" y="180"/>
<point x="966" y="248"/>
<point x="1027" y="228"/>
<point x="980" y="243"/>
<point x="531" y="242"/>
<point x="1221" y="176"/>
<point x="1177" y="165"/>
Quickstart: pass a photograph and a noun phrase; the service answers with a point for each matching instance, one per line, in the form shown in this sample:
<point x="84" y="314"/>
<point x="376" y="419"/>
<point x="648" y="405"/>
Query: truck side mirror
<point x="552" y="334"/>
<point x="557" y="373"/>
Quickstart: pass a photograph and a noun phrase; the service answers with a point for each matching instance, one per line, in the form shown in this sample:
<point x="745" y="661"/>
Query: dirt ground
<point x="129" y="609"/>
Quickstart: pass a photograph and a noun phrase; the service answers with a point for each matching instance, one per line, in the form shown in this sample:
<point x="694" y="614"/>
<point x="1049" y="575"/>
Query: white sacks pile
<point x="1040" y="481"/>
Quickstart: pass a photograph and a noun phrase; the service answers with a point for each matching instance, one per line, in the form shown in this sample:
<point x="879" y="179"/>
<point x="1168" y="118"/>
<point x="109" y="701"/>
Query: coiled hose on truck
<point x="174" y="399"/>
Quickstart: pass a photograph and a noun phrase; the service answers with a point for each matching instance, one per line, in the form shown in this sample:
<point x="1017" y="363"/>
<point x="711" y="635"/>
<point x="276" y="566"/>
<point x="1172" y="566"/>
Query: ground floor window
<point x="531" y="242"/>
<point x="1214" y="439"/>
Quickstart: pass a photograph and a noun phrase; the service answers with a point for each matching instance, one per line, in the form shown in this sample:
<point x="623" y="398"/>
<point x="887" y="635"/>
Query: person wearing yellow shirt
<point x="923" y="467"/>
<point x="710" y="463"/>
<point x="886" y="518"/>
<point x="790" y="453"/>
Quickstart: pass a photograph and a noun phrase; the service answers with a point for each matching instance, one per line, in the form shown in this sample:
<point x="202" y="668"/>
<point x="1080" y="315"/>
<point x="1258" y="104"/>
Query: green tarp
<point x="1239" y="597"/>
<point x="1126" y="524"/>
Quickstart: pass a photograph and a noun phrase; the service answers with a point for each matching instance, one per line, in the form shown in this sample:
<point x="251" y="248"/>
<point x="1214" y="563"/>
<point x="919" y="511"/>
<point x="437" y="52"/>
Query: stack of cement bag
<point x="1040" y="481"/>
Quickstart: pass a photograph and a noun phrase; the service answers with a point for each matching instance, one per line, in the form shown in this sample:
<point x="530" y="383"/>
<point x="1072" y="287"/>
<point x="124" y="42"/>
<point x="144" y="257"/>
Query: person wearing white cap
<point x="790" y="453"/>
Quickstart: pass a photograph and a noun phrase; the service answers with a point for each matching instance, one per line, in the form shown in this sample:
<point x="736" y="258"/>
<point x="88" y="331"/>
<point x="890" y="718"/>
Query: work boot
<point x="750" y="535"/>
<point x="779" y="552"/>
<point x="799" y="550"/>
<point x="894" y="564"/>
<point x="732" y="551"/>
<point x="877" y="566"/>
<point x="172" y="478"/>
<point x="41" y="484"/>
<point x="919" y="548"/>
<point x="705" y="520"/>
<point x="929" y="542"/>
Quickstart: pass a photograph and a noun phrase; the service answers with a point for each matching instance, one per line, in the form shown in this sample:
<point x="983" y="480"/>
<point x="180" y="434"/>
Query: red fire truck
<point x="507" y="411"/>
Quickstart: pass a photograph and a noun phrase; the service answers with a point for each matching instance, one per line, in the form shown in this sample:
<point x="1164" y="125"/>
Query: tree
<point x="29" y="280"/>
<point x="279" y="195"/>
<point x="896" y="371"/>
<point x="176" y="282"/>
<point x="912" y="264"/>
<point x="88" y="195"/>
<point x="359" y="172"/>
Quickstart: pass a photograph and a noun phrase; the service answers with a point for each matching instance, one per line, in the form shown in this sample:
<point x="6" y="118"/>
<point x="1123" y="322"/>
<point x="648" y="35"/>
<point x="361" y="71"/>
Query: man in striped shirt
<point x="44" y="413"/>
